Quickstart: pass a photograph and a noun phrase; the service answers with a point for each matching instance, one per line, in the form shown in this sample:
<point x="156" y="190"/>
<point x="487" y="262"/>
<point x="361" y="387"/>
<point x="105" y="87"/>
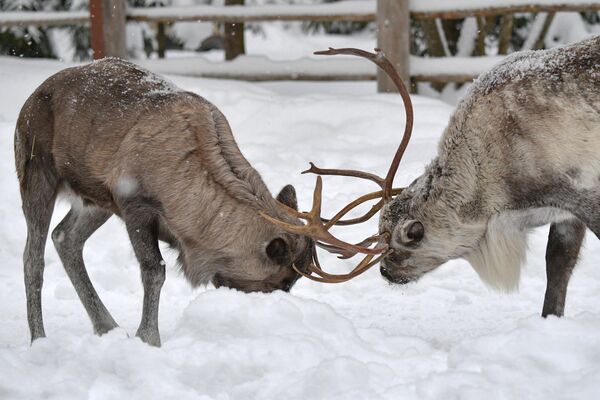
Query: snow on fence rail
<point x="354" y="10"/>
<point x="260" y="68"/>
<point x="340" y="11"/>
<point x="43" y="18"/>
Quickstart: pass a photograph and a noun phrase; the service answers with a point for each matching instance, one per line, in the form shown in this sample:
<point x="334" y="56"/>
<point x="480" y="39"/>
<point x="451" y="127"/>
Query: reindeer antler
<point x="318" y="227"/>
<point x="382" y="62"/>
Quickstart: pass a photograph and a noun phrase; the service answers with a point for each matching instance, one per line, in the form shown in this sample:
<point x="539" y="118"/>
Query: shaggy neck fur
<point x="463" y="194"/>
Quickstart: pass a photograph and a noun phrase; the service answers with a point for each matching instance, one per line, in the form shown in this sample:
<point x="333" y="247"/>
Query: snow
<point x="472" y="66"/>
<point x="541" y="64"/>
<point x="536" y="29"/>
<point x="467" y="37"/>
<point x="43" y="17"/>
<point x="568" y="28"/>
<point x="444" y="337"/>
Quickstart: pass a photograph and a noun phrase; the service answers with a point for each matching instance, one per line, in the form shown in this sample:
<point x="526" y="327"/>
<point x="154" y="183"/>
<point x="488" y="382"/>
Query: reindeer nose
<point x="397" y="279"/>
<point x="287" y="284"/>
<point x="385" y="273"/>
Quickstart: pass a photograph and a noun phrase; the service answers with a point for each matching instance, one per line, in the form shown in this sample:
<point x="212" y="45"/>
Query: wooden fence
<point x="108" y="18"/>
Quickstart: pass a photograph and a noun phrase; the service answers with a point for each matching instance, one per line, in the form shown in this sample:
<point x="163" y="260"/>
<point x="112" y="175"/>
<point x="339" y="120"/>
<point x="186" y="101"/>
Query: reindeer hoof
<point x="152" y="337"/>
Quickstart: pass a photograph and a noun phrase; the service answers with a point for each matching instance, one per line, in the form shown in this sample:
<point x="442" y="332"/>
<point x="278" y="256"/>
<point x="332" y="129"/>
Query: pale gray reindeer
<point x="120" y="140"/>
<point x="522" y="150"/>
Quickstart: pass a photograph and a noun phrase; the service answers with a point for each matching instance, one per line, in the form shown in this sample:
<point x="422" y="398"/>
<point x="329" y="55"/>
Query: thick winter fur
<point x="126" y="142"/>
<point x="521" y="150"/>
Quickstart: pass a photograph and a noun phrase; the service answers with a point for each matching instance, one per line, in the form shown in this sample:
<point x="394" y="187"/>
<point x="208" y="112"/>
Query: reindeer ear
<point x="278" y="250"/>
<point x="287" y="196"/>
<point x="410" y="233"/>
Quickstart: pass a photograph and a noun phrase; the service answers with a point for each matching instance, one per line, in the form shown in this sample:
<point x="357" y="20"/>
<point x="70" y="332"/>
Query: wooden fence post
<point x="393" y="37"/>
<point x="107" y="19"/>
<point x="234" y="35"/>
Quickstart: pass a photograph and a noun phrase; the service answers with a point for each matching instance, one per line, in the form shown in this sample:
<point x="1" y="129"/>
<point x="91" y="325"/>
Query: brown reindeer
<point x="120" y="140"/>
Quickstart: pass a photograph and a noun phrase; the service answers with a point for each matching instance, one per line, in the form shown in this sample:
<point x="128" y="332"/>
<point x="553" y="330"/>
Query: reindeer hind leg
<point x="38" y="192"/>
<point x="69" y="237"/>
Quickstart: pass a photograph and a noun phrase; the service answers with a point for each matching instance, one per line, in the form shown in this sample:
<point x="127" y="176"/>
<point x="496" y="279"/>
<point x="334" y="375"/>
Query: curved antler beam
<point x="317" y="228"/>
<point x="382" y="62"/>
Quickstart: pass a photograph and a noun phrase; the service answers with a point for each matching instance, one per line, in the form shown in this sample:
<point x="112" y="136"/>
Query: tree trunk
<point x="506" y="27"/>
<point x="452" y="33"/>
<point x="485" y="25"/>
<point x="161" y="38"/>
<point x="435" y="47"/>
<point x="539" y="43"/>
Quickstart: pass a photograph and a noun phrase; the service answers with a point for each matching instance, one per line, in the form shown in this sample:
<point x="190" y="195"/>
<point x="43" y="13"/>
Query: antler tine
<point x="323" y="277"/>
<point x="345" y="172"/>
<point x="382" y="62"/>
<point x="315" y="228"/>
<point x="345" y="254"/>
<point x="337" y="219"/>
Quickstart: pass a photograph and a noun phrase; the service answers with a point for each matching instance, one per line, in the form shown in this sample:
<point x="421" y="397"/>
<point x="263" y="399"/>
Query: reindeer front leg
<point x="564" y="242"/>
<point x="143" y="228"/>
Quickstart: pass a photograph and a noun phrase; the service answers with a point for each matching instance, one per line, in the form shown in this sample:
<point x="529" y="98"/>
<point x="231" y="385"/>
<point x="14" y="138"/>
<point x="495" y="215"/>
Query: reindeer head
<point x="269" y="266"/>
<point x="415" y="247"/>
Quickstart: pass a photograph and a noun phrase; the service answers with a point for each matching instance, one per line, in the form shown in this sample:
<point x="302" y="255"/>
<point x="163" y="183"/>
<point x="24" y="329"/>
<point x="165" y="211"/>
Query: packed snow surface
<point x="444" y="337"/>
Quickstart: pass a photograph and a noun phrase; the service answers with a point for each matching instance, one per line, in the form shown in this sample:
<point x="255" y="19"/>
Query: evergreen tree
<point x="24" y="41"/>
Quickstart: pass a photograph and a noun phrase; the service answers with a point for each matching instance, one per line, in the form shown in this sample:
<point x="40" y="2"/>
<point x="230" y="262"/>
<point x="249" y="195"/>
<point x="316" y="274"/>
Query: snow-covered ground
<point x="444" y="337"/>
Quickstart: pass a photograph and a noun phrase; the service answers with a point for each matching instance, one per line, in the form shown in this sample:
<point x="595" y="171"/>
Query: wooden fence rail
<point x="391" y="16"/>
<point x="343" y="11"/>
<point x="417" y="13"/>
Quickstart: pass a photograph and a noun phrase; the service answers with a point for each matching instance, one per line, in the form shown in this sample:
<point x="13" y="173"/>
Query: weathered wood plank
<point x="107" y="18"/>
<point x="234" y="34"/>
<point x="97" y="29"/>
<point x="492" y="11"/>
<point x="393" y="35"/>
<point x="114" y="28"/>
<point x="444" y="78"/>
